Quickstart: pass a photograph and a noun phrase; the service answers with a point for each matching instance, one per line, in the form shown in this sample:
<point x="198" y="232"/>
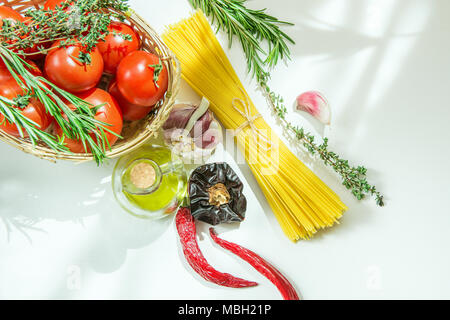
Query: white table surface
<point x="385" y="67"/>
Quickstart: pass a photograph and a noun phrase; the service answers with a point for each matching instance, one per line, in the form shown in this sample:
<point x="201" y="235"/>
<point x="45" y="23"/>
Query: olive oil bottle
<point x="150" y="182"/>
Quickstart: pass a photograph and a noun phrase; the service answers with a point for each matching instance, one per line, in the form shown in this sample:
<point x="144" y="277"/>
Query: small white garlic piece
<point x="316" y="105"/>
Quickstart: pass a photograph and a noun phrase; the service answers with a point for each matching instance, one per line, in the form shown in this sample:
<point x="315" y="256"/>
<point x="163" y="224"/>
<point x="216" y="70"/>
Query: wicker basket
<point x="134" y="133"/>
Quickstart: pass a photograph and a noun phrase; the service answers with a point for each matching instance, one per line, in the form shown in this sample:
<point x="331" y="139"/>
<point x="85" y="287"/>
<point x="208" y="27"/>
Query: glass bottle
<point x="150" y="182"/>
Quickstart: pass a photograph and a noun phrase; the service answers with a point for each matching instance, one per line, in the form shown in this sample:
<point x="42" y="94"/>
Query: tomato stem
<point x="157" y="69"/>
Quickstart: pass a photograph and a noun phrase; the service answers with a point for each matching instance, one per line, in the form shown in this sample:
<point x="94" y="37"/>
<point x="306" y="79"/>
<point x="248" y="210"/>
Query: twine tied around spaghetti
<point x="245" y="112"/>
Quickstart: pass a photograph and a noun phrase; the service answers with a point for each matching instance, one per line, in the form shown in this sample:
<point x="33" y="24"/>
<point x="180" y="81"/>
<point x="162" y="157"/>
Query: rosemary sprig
<point x="252" y="27"/>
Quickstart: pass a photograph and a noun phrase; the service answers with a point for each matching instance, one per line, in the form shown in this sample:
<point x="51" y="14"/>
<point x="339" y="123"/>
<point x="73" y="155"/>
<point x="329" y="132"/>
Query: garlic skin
<point x="316" y="105"/>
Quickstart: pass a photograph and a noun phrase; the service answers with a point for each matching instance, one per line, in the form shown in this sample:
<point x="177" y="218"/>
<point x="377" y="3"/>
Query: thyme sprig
<point x="84" y="20"/>
<point x="252" y="27"/>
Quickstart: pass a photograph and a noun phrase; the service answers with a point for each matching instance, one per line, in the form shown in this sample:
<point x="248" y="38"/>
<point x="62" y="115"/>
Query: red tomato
<point x="6" y="13"/>
<point x="131" y="112"/>
<point x="51" y="4"/>
<point x="4" y="72"/>
<point x="34" y="111"/>
<point x="63" y="68"/>
<point x="114" y="47"/>
<point x="6" y="75"/>
<point x="135" y="78"/>
<point x="10" y="14"/>
<point x="109" y="113"/>
<point x="35" y="69"/>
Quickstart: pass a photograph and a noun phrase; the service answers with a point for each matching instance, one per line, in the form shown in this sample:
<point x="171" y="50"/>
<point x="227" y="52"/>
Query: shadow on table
<point x="43" y="192"/>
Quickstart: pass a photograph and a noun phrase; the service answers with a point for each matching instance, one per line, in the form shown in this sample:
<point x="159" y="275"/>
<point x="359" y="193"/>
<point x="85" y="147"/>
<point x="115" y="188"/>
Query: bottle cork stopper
<point x="143" y="175"/>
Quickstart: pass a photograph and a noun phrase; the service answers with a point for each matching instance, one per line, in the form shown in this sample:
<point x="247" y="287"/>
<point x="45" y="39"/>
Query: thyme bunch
<point x="252" y="27"/>
<point x="84" y="20"/>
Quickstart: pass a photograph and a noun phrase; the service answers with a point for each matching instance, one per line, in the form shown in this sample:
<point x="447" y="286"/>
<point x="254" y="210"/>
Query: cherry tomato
<point x="6" y="13"/>
<point x="6" y="75"/>
<point x="34" y="111"/>
<point x="4" y="72"/>
<point x="135" y="78"/>
<point x="114" y="47"/>
<point x="9" y="14"/>
<point x="63" y="68"/>
<point x="110" y="113"/>
<point x="51" y="4"/>
<point x="131" y="112"/>
<point x="34" y="69"/>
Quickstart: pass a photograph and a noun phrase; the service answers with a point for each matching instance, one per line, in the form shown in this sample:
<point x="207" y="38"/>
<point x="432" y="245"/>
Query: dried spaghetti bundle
<point x="302" y="203"/>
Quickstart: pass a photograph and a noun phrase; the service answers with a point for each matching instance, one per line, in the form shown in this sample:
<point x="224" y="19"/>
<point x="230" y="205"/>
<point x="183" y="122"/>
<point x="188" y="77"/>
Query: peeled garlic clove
<point x="316" y="105"/>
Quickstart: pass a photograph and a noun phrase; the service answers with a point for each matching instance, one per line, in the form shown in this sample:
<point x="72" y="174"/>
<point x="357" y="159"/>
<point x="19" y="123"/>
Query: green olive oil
<point x="150" y="182"/>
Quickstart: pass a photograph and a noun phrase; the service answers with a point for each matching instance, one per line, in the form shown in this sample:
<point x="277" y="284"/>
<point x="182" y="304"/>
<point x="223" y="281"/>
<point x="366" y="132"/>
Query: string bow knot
<point x="245" y="112"/>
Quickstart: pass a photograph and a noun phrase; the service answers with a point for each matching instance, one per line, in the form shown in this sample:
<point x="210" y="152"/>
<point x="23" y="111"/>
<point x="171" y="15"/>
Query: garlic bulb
<point x="316" y="105"/>
<point x="192" y="132"/>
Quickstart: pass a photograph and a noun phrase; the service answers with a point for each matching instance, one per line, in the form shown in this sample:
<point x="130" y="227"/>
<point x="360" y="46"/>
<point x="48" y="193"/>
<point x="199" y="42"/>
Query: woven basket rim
<point x="149" y="126"/>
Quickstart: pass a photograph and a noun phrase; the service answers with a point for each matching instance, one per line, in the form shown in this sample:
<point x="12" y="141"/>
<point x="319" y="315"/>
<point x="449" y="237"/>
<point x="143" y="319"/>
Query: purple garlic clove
<point x="179" y="116"/>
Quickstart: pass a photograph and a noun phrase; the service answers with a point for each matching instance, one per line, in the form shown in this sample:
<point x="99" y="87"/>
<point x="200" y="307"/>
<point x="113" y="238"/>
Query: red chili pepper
<point x="188" y="237"/>
<point x="262" y="266"/>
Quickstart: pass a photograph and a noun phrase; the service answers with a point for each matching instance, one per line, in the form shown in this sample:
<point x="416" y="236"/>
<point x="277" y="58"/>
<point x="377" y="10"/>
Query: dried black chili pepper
<point x="215" y="194"/>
